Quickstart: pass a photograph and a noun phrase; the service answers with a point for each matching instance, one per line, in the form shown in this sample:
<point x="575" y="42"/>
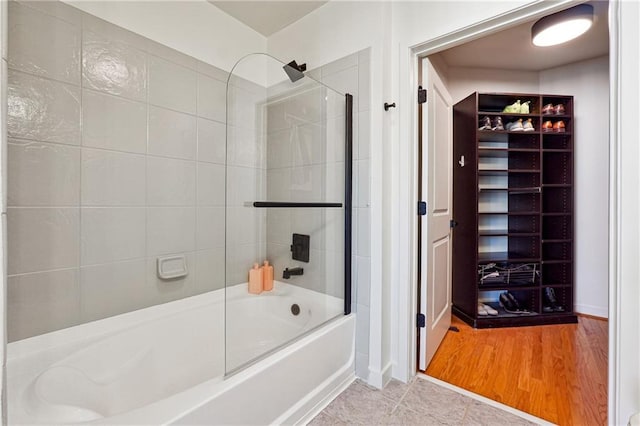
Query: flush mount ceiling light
<point x="562" y="26"/>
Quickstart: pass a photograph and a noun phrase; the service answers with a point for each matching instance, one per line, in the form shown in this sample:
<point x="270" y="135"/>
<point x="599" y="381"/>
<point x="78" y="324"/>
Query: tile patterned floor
<point x="420" y="402"/>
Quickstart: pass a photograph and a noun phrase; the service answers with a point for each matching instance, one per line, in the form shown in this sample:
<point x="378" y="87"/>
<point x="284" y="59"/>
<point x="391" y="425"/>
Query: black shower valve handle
<point x="388" y="105"/>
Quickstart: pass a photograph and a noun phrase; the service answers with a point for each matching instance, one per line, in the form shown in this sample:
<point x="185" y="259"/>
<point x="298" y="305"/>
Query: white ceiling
<point x="512" y="49"/>
<point x="267" y="17"/>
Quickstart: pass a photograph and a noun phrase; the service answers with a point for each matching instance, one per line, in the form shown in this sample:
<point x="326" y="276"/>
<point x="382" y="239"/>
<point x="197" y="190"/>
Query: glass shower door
<point x="286" y="201"/>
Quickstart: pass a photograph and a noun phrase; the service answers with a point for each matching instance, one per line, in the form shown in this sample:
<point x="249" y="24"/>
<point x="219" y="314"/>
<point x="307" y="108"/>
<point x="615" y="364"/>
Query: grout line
<point x="485" y="400"/>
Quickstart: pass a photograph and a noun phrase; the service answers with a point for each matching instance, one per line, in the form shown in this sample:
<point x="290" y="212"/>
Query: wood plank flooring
<point x="556" y="372"/>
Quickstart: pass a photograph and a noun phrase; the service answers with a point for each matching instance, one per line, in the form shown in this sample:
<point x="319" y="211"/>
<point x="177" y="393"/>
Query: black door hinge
<point x="422" y="208"/>
<point x="422" y="95"/>
<point x="421" y="321"/>
<point x="453" y="223"/>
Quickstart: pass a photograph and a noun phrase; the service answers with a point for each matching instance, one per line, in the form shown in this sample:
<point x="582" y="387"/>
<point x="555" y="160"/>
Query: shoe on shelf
<point x="515" y="126"/>
<point x="524" y="107"/>
<point x="559" y="109"/>
<point x="528" y="126"/>
<point x="482" y="311"/>
<point x="485" y="124"/>
<point x="497" y="124"/>
<point x="509" y="302"/>
<point x="514" y="108"/>
<point x="488" y="309"/>
<point x="558" y="126"/>
<point x="551" y="301"/>
<point x="548" y="109"/>
<point x="547" y="126"/>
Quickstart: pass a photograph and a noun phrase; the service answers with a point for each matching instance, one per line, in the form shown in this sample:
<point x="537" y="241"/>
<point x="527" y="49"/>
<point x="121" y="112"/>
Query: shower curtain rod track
<point x="288" y="204"/>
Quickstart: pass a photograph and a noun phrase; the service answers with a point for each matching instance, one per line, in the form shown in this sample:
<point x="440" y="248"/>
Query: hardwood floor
<point x="556" y="372"/>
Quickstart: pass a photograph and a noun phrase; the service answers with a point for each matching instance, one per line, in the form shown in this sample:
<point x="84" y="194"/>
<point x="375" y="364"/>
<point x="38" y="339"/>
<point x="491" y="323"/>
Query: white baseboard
<point x="596" y="311"/>
<point x="379" y="378"/>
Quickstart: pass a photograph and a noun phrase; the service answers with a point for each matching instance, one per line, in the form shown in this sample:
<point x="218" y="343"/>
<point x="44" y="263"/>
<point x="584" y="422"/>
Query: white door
<point x="437" y="190"/>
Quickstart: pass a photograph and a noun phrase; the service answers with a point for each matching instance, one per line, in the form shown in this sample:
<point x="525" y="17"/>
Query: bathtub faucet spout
<point x="287" y="273"/>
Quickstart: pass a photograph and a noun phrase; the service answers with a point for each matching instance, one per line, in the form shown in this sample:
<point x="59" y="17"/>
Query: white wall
<point x="464" y="81"/>
<point x="588" y="82"/>
<point x="195" y="27"/>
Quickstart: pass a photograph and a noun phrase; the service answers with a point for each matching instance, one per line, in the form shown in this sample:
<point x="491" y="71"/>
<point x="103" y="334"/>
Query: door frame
<point x="407" y="367"/>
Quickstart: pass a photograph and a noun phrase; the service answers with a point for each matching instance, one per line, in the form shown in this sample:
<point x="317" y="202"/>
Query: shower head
<point x="294" y="71"/>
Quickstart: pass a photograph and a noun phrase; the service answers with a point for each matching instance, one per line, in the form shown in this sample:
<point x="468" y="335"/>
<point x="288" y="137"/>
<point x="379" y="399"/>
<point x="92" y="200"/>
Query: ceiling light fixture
<point x="562" y="26"/>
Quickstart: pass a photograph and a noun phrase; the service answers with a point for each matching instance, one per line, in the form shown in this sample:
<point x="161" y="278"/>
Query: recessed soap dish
<point x="172" y="267"/>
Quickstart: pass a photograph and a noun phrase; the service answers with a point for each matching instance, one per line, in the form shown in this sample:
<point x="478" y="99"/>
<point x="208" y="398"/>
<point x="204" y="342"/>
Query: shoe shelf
<point x="521" y="210"/>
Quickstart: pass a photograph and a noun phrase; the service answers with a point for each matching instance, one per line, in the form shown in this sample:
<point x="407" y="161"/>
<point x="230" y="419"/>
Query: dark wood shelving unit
<point x="513" y="207"/>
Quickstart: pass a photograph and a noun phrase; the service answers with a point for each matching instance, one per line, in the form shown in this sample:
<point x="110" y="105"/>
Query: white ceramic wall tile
<point x="43" y="174"/>
<point x="172" y="134"/>
<point x="112" y="234"/>
<point x="362" y="329"/>
<point x="113" y="288"/>
<point x="171" y="182"/>
<point x="42" y="302"/>
<point x="110" y="32"/>
<point x="41" y="239"/>
<point x="245" y="108"/>
<point x="364" y="232"/>
<point x="245" y="147"/>
<point x="244" y="184"/>
<point x="333" y="145"/>
<point x="210" y="270"/>
<point x="307" y="106"/>
<point x="42" y="109"/>
<point x="163" y="291"/>
<point x="169" y="54"/>
<point x="354" y="230"/>
<point x="362" y="366"/>
<point x="112" y="178"/>
<point x="113" y="67"/>
<point x="212" y="98"/>
<point x="279" y="226"/>
<point x="241" y="259"/>
<point x="363" y="282"/>
<point x="364" y="135"/>
<point x="211" y="141"/>
<point x="310" y="222"/>
<point x="309" y="144"/>
<point x="276" y="116"/>
<point x="211" y="71"/>
<point x="170" y="230"/>
<point x="364" y="80"/>
<point x="43" y="45"/>
<point x="171" y="85"/>
<point x="307" y="183"/>
<point x="111" y="122"/>
<point x="56" y="9"/>
<point x="334" y="273"/>
<point x="363" y="183"/>
<point x="210" y="228"/>
<point x="340" y="64"/>
<point x="246" y="225"/>
<point x="279" y="184"/>
<point x="279" y="149"/>
<point x="333" y="229"/>
<point x="345" y="81"/>
<point x="211" y="184"/>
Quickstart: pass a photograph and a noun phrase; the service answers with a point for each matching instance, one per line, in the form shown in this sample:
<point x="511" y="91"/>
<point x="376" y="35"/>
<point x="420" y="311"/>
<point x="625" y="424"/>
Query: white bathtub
<point x="166" y="364"/>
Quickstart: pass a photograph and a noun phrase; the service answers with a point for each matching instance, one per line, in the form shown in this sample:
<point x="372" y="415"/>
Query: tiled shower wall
<point x="116" y="156"/>
<point x="298" y="141"/>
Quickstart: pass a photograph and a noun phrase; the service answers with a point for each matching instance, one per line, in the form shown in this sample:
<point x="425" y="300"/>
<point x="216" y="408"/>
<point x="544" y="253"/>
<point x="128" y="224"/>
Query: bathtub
<point x="167" y="364"/>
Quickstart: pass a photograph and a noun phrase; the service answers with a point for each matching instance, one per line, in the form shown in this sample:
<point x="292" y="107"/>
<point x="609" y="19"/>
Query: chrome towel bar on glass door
<point x="289" y="204"/>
